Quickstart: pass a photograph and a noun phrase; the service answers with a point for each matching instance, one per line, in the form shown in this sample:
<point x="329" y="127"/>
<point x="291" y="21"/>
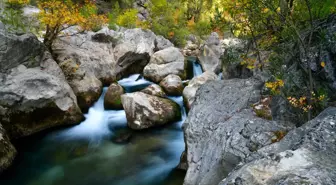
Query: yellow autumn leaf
<point x="323" y="64"/>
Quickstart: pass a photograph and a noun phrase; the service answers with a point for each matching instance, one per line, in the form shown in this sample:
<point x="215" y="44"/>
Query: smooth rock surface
<point x="220" y="132"/>
<point x="7" y="152"/>
<point x="154" y="90"/>
<point x="172" y="85"/>
<point x="210" y="54"/>
<point x="306" y="155"/>
<point x="189" y="92"/>
<point x="163" y="63"/>
<point x="145" y="111"/>
<point x="112" y="99"/>
<point x="34" y="94"/>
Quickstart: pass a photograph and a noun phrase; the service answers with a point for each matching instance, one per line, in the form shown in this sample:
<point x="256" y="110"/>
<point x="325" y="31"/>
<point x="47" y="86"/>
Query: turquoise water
<point x="90" y="153"/>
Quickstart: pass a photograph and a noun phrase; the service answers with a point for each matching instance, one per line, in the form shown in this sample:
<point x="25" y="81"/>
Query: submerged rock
<point x="189" y="92"/>
<point x="145" y="111"/>
<point x="306" y="155"/>
<point x="7" y="152"/>
<point x="154" y="90"/>
<point x="163" y="63"/>
<point x="34" y="94"/>
<point x="112" y="99"/>
<point x="172" y="85"/>
<point x="220" y="131"/>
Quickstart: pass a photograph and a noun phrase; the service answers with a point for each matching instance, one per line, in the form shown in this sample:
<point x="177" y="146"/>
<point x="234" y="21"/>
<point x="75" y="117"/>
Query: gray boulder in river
<point x="34" y="94"/>
<point x="165" y="62"/>
<point x="306" y="155"/>
<point x="7" y="152"/>
<point x="189" y="92"/>
<point x="145" y="111"/>
<point x="154" y="90"/>
<point x="221" y="131"/>
<point x="112" y="98"/>
<point x="172" y="85"/>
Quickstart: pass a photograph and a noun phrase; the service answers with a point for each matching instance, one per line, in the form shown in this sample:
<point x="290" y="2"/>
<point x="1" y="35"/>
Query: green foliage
<point x="128" y="18"/>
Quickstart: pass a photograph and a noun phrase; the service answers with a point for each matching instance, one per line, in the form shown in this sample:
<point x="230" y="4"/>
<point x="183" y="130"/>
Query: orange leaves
<point x="171" y="34"/>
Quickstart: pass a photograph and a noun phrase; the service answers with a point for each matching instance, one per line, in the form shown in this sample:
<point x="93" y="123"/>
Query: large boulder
<point x="162" y="43"/>
<point x="306" y="155"/>
<point x="34" y="94"/>
<point x="87" y="65"/>
<point x="7" y="152"/>
<point x="165" y="62"/>
<point x="172" y="85"/>
<point x="221" y="131"/>
<point x="112" y="99"/>
<point x="189" y="92"/>
<point x="133" y="51"/>
<point x="154" y="90"/>
<point x="210" y="54"/>
<point x="145" y="111"/>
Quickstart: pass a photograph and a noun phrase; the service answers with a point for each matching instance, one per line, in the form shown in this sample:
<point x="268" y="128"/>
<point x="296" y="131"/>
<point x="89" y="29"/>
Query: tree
<point x="59" y="15"/>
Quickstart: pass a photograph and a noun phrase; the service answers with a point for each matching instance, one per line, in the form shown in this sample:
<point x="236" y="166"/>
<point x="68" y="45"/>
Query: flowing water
<point x="88" y="154"/>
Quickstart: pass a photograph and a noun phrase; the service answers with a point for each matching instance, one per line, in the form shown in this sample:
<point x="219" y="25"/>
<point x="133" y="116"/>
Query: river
<point x="88" y="154"/>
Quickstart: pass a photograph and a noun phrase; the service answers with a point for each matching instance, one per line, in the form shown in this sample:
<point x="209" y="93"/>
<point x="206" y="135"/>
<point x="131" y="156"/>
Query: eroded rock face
<point x="189" y="92"/>
<point x="165" y="62"/>
<point x="210" y="54"/>
<point x="34" y="94"/>
<point x="7" y="152"/>
<point x="34" y="99"/>
<point x="172" y="85"/>
<point x="304" y="156"/>
<point x="145" y="111"/>
<point x="220" y="131"/>
<point x="154" y="90"/>
<point x="133" y="52"/>
<point x="15" y="50"/>
<point x="112" y="99"/>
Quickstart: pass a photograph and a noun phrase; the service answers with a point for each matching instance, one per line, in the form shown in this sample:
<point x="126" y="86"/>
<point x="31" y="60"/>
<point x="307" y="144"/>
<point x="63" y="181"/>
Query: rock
<point x="112" y="99"/>
<point x="304" y="156"/>
<point x="7" y="152"/>
<point x="220" y="131"/>
<point x="87" y="65"/>
<point x="145" y="111"/>
<point x="34" y="94"/>
<point x="210" y="54"/>
<point x="162" y="43"/>
<point x="191" y="49"/>
<point x="35" y="99"/>
<point x="134" y="51"/>
<point x="140" y="5"/>
<point x="172" y="85"/>
<point x="15" y="50"/>
<point x="163" y="63"/>
<point x="231" y="61"/>
<point x="189" y="92"/>
<point x="154" y="90"/>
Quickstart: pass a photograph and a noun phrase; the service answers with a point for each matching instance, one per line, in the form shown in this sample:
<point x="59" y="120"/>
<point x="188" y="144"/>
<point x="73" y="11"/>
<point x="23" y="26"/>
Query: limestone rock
<point x="145" y="111"/>
<point x="172" y="85"/>
<point x="304" y="156"/>
<point x="154" y="90"/>
<point x="7" y="152"/>
<point x="189" y="92"/>
<point x="163" y="63"/>
<point x="112" y="99"/>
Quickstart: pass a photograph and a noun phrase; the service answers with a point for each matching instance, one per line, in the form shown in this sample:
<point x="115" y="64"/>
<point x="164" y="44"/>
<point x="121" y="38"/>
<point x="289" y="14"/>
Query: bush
<point x="128" y="18"/>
